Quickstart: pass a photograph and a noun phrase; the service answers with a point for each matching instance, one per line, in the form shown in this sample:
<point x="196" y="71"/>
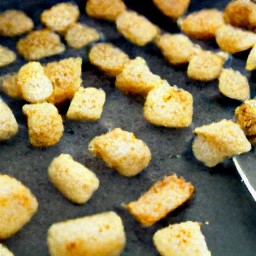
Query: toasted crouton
<point x="100" y="234"/>
<point x="183" y="239"/>
<point x="9" y="85"/>
<point x="251" y="60"/>
<point x="6" y="56"/>
<point x="4" y="251"/>
<point x="162" y="198"/>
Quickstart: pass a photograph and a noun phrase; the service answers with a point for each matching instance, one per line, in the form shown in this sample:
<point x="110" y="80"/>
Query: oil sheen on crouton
<point x="162" y="198"/>
<point x="4" y="251"/>
<point x="6" y="56"/>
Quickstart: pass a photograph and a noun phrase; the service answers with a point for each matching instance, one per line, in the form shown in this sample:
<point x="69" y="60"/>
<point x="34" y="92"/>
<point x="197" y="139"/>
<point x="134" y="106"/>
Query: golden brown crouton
<point x="72" y="179"/>
<point x="162" y="198"/>
<point x="136" y="28"/>
<point x="202" y="24"/>
<point x="9" y="85"/>
<point x="45" y="125"/>
<point x="79" y="35"/>
<point x="122" y="151"/>
<point x="234" y="85"/>
<point x="6" y="56"/>
<point x="39" y="44"/>
<point x="105" y="9"/>
<point x="87" y="104"/>
<point x="172" y="8"/>
<point x="217" y="141"/>
<point x="136" y="78"/>
<point x="234" y="40"/>
<point x="100" y="234"/>
<point x="60" y="16"/>
<point x="65" y="76"/>
<point x="4" y="251"/>
<point x="168" y="106"/>
<point x="17" y="206"/>
<point x="14" y="23"/>
<point x="183" y="239"/>
<point x="251" y="60"/>
<point x="108" y="58"/>
<point x="33" y="83"/>
<point x="8" y="123"/>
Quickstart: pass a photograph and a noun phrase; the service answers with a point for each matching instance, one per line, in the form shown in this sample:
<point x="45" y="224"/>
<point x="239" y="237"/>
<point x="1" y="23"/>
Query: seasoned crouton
<point x="72" y="179"/>
<point x="108" y="58"/>
<point x="4" y="251"/>
<point x="65" y="76"/>
<point x="45" y="125"/>
<point x="136" y="78"/>
<point x="8" y="123"/>
<point x="105" y="9"/>
<point x="60" y="16"/>
<point x="14" y="23"/>
<point x="136" y="28"/>
<point x="6" y="56"/>
<point x="87" y="104"/>
<point x="18" y="205"/>
<point x="100" y="234"/>
<point x="217" y="141"/>
<point x="234" y="85"/>
<point x="122" y="151"/>
<point x="33" y="83"/>
<point x="183" y="239"/>
<point x="251" y="60"/>
<point x="234" y="40"/>
<point x="79" y="35"/>
<point x="162" y="198"/>
<point x="9" y="85"/>
<point x="202" y="24"/>
<point x="169" y="107"/>
<point x="172" y="8"/>
<point x="39" y="44"/>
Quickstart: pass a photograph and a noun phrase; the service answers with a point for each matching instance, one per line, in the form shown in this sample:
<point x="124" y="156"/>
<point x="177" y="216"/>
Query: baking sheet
<point x="221" y="199"/>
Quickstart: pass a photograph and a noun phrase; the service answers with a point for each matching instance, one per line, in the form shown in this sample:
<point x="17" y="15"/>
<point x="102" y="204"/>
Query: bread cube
<point x="87" y="104"/>
<point x="39" y="44"/>
<point x="108" y="58"/>
<point x="162" y="198"/>
<point x="217" y="141"/>
<point x="234" y="85"/>
<point x="136" y="28"/>
<point x="14" y="23"/>
<point x="72" y="179"/>
<point x="10" y="86"/>
<point x="100" y="234"/>
<point x="65" y="76"/>
<point x="183" y="239"/>
<point x="8" y="123"/>
<point x="136" y="78"/>
<point x="18" y="205"/>
<point x="122" y="151"/>
<point x="6" y="56"/>
<point x="4" y="251"/>
<point x="251" y="60"/>
<point x="45" y="127"/>
<point x="60" y="16"/>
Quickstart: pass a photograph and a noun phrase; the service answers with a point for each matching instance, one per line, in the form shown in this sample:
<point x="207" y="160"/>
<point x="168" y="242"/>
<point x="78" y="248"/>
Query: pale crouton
<point x="202" y="24"/>
<point x="172" y="8"/>
<point x="234" y="85"/>
<point x="217" y="141"/>
<point x="33" y="83"/>
<point x="136" y="28"/>
<point x="87" y="104"/>
<point x="8" y="123"/>
<point x="60" y="16"/>
<point x="205" y="66"/>
<point x="162" y="198"/>
<point x="4" y="251"/>
<point x="6" y="56"/>
<point x="122" y="151"/>
<point x="18" y="205"/>
<point x="72" y="179"/>
<point x="9" y="85"/>
<point x="251" y="60"/>
<point x="234" y="40"/>
<point x="39" y="44"/>
<point x="105" y="9"/>
<point x="79" y="35"/>
<point x="183" y="239"/>
<point x="65" y="76"/>
<point x="100" y="234"/>
<point x="168" y="106"/>
<point x="108" y="58"/>
<point x="14" y="23"/>
<point x="136" y="78"/>
<point x="45" y="127"/>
